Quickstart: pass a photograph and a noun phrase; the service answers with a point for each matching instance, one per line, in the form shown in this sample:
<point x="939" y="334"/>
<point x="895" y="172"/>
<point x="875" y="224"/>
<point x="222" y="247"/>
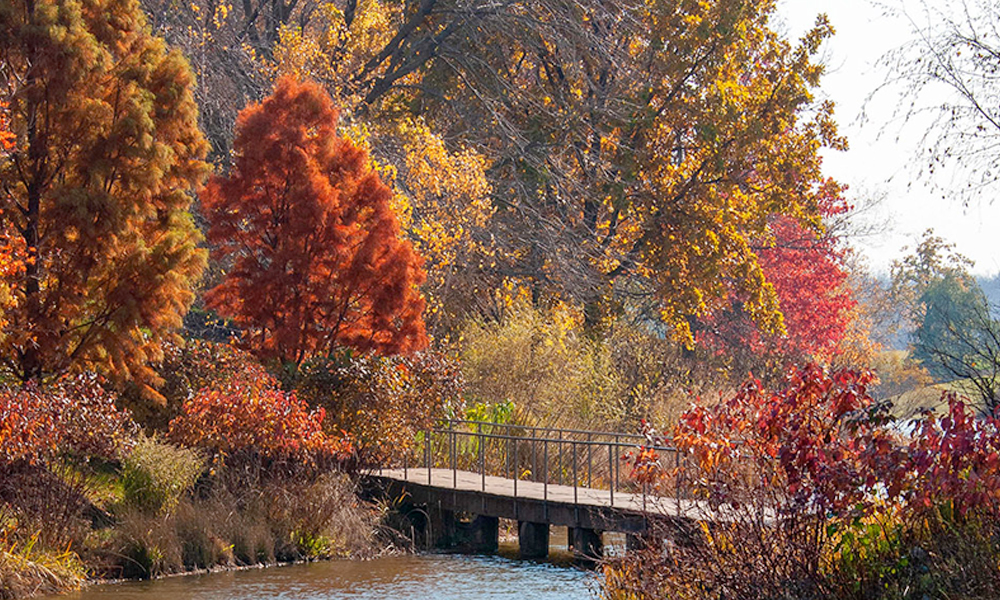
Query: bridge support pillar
<point x="486" y="534"/>
<point x="587" y="544"/>
<point x="441" y="528"/>
<point x="533" y="539"/>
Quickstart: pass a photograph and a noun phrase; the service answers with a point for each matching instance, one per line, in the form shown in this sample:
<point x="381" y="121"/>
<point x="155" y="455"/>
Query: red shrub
<point x="816" y="497"/>
<point x="74" y="415"/>
<point x="817" y="439"/>
<point x="953" y="459"/>
<point x="255" y="416"/>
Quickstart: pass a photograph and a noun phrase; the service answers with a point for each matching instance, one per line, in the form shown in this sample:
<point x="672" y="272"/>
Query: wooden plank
<point x="467" y="481"/>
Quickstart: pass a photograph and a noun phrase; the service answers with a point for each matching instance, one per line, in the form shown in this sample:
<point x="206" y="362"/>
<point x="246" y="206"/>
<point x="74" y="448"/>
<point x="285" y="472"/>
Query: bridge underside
<point x="434" y="499"/>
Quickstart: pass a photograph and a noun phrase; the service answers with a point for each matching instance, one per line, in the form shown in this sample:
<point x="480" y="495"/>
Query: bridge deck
<point x="465" y="481"/>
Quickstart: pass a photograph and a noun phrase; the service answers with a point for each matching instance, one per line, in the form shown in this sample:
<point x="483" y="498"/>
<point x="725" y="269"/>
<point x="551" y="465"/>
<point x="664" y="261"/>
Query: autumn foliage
<point x="814" y="477"/>
<point x="808" y="272"/>
<point x="71" y="416"/>
<point x="314" y="248"/>
<point x="383" y="402"/>
<point x="816" y="434"/>
<point x="253" y="416"/>
<point x="6" y="135"/>
<point x="97" y="184"/>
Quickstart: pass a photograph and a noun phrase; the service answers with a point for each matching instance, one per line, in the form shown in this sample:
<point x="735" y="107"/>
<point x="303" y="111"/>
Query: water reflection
<point x="444" y="577"/>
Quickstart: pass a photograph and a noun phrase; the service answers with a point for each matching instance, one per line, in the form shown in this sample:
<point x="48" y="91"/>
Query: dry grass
<point x="912" y="403"/>
<point x="26" y="571"/>
<point x="222" y="525"/>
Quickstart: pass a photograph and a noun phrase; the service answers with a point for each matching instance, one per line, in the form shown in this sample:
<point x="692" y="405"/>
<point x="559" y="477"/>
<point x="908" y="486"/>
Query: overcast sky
<point x="879" y="161"/>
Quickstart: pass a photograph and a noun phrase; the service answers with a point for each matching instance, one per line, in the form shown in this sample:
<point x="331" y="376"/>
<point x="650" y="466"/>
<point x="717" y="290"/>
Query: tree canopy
<point x="605" y="152"/>
<point x="97" y="185"/>
<point x="955" y="335"/>
<point x="313" y="245"/>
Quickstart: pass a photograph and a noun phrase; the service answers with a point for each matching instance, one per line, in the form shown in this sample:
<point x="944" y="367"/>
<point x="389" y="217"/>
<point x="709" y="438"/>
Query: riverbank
<point x="147" y="518"/>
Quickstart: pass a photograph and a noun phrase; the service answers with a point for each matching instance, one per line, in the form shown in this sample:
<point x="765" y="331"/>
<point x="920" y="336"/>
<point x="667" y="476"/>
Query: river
<point x="432" y="576"/>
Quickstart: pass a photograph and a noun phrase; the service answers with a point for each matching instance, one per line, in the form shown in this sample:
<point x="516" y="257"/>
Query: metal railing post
<point x="616" y="461"/>
<point x="677" y="481"/>
<point x="506" y="457"/>
<point x="482" y="454"/>
<point x="611" y="472"/>
<point x="534" y="458"/>
<point x="590" y="462"/>
<point x="516" y="474"/>
<point x="427" y="454"/>
<point x="545" y="477"/>
<point x="575" y="497"/>
<point x="559" y="470"/>
<point x="454" y="459"/>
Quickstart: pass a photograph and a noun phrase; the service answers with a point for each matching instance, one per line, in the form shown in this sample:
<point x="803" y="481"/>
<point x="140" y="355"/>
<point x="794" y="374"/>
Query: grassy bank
<point x="168" y="510"/>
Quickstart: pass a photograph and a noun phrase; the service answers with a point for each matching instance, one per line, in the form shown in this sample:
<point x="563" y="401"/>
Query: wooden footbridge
<point x="464" y="476"/>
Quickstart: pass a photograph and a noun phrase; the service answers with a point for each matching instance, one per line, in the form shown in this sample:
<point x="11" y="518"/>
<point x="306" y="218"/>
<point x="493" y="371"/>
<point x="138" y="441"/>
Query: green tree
<point x="98" y="186"/>
<point x="955" y="336"/>
<point x="958" y="339"/>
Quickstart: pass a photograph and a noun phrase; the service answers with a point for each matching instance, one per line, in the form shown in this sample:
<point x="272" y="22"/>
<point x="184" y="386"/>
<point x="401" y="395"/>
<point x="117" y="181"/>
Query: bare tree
<point x="949" y="73"/>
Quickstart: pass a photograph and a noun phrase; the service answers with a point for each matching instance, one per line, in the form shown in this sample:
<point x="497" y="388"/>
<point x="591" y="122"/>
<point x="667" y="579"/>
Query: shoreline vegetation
<point x="202" y="531"/>
<point x="206" y="529"/>
<point x="228" y="470"/>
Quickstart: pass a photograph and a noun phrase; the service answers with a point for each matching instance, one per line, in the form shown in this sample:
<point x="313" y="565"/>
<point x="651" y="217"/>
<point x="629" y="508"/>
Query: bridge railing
<point x="580" y="459"/>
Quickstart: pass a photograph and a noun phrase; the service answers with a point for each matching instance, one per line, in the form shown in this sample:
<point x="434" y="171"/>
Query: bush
<point x="228" y="522"/>
<point x="155" y="475"/>
<point x="45" y="431"/>
<point x="74" y="415"/>
<point x="381" y="402"/>
<point x="556" y="373"/>
<point x="253" y="418"/>
<point x="813" y="495"/>
<point x="539" y="360"/>
<point x="186" y="370"/>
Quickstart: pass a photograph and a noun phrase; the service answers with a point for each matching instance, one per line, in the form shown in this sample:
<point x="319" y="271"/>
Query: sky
<point x="879" y="163"/>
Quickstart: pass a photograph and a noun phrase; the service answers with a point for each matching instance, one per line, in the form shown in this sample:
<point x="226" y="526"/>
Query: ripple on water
<point x="441" y="577"/>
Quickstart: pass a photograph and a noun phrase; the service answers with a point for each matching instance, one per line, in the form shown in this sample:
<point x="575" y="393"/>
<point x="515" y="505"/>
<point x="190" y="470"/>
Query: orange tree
<point x="6" y="136"/>
<point x="97" y="184"/>
<point x="11" y="244"/>
<point x="312" y="243"/>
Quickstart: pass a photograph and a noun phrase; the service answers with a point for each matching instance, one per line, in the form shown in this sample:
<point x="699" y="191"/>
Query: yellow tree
<point x="610" y="151"/>
<point x="98" y="185"/>
<point x="633" y="150"/>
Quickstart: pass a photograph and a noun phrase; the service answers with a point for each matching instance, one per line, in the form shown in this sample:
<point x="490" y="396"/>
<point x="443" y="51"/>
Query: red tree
<point x="808" y="273"/>
<point x="314" y="245"/>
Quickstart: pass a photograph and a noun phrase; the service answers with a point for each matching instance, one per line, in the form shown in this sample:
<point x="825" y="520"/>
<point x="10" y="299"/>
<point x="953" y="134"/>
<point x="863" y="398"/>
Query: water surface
<point x="437" y="576"/>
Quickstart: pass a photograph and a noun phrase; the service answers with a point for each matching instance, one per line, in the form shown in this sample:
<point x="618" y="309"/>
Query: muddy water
<point x="432" y="576"/>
